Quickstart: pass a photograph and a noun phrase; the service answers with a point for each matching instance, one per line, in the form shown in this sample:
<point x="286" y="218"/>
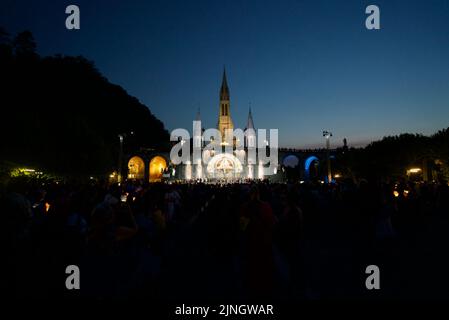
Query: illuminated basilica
<point x="226" y="158"/>
<point x="232" y="163"/>
<point x="222" y="158"/>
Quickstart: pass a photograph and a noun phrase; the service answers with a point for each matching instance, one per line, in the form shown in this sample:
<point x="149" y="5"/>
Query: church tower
<point x="250" y="132"/>
<point x="224" y="117"/>
<point x="250" y="146"/>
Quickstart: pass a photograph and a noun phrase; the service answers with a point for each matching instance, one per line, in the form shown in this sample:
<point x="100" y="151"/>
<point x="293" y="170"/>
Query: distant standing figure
<point x="172" y="200"/>
<point x="259" y="219"/>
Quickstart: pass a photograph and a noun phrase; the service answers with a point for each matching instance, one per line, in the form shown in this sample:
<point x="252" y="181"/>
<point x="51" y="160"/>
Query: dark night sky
<point x="305" y="66"/>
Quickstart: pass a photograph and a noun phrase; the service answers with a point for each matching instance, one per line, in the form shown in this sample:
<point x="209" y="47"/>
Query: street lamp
<point x="121" y="137"/>
<point x="327" y="135"/>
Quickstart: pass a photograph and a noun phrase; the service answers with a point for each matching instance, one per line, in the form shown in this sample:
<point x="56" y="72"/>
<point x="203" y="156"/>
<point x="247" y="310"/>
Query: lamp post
<point x="327" y="135"/>
<point x="121" y="137"/>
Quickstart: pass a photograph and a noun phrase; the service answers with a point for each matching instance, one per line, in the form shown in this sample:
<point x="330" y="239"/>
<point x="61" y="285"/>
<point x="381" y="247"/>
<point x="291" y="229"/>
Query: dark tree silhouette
<point x="24" y="45"/>
<point x="62" y="115"/>
<point x="391" y="156"/>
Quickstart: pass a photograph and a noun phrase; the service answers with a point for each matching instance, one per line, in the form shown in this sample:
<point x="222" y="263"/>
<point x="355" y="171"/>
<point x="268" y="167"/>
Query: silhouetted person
<point x="258" y="220"/>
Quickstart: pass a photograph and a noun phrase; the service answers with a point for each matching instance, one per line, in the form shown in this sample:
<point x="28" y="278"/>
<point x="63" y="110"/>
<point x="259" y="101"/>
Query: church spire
<point x="250" y="131"/>
<point x="198" y="115"/>
<point x="224" y="116"/>
<point x="224" y="91"/>
<point x="250" y="122"/>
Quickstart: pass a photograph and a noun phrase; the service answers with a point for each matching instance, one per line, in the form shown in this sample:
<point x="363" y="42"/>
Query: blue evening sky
<point x="305" y="65"/>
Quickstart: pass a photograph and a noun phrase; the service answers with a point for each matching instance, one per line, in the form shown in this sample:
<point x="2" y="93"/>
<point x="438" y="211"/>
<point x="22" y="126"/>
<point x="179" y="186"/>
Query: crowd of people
<point x="240" y="241"/>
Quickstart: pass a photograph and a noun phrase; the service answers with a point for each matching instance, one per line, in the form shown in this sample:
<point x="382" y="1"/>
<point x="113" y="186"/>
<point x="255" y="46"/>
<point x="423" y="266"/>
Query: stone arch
<point x="156" y="168"/>
<point x="290" y="161"/>
<point x="307" y="165"/>
<point x="136" y="168"/>
<point x="224" y="165"/>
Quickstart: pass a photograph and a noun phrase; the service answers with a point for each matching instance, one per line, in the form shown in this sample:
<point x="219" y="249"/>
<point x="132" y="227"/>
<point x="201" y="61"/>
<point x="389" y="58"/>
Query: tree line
<point x="392" y="156"/>
<point x="62" y="115"/>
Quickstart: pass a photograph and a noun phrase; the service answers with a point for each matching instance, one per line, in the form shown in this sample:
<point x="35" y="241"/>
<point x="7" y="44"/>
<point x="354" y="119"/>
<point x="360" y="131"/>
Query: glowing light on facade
<point x="157" y="167"/>
<point x="224" y="166"/>
<point x="136" y="168"/>
<point x="199" y="170"/>
<point x="188" y="172"/>
<point x="261" y="175"/>
<point x="250" y="171"/>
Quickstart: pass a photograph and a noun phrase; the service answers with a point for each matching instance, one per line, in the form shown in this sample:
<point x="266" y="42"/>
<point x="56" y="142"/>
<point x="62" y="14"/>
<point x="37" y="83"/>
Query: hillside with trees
<point x="60" y="114"/>
<point x="390" y="157"/>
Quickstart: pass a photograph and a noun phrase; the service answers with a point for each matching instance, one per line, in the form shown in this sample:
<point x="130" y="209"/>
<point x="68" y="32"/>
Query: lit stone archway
<point x="224" y="166"/>
<point x="157" y="167"/>
<point x="136" y="168"/>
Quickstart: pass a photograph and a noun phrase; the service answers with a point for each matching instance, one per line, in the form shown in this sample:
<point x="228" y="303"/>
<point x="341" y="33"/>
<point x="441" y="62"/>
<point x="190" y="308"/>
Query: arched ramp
<point x="307" y="165"/>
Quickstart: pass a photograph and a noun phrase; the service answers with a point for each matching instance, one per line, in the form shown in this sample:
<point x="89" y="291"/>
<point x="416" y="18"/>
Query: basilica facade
<point x="228" y="157"/>
<point x="233" y="155"/>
